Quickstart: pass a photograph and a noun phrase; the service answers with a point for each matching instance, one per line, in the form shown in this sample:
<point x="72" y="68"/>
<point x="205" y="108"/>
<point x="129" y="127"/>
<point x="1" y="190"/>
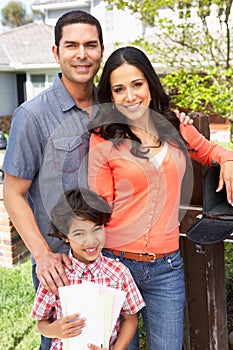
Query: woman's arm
<point x="205" y="152"/>
<point x="226" y="177"/>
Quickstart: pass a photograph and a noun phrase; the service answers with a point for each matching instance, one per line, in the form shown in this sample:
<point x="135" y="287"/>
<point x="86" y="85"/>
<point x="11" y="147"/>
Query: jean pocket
<point x="175" y="261"/>
<point x="68" y="153"/>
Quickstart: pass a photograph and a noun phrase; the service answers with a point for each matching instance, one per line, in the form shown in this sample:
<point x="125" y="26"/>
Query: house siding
<point x="8" y="93"/>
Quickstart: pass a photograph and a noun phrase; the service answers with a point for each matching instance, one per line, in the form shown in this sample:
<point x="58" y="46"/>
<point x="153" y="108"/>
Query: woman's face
<point x="130" y="91"/>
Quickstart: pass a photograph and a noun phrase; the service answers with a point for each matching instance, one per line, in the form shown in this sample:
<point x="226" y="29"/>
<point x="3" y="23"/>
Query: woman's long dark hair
<point x="111" y="124"/>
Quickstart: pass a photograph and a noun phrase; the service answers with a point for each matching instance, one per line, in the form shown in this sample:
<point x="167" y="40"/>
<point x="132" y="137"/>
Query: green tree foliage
<point x="195" y="39"/>
<point x="14" y="15"/>
<point x="186" y="32"/>
<point x="147" y="9"/>
<point x="208" y="91"/>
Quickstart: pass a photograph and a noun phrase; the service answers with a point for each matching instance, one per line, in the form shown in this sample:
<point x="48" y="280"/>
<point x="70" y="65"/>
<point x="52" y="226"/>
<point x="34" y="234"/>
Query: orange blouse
<point x="145" y="199"/>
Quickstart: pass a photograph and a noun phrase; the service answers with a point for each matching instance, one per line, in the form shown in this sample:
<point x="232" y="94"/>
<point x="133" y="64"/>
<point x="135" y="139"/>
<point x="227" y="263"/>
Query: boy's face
<point x="86" y="239"/>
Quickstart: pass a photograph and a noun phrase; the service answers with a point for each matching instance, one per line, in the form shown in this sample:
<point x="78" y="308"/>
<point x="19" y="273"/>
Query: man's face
<point x="79" y="53"/>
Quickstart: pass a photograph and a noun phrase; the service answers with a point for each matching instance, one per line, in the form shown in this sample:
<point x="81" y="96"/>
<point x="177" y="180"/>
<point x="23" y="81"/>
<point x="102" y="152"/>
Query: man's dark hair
<point x="76" y="16"/>
<point x="78" y="203"/>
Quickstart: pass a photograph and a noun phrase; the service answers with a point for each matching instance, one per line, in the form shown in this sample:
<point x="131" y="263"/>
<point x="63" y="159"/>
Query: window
<point x="109" y="20"/>
<point x="40" y="82"/>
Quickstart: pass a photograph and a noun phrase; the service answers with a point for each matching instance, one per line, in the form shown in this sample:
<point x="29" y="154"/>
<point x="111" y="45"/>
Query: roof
<point x="45" y="2"/>
<point x="53" y="4"/>
<point x="27" y="44"/>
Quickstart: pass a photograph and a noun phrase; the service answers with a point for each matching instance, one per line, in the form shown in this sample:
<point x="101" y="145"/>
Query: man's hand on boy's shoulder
<point x="50" y="271"/>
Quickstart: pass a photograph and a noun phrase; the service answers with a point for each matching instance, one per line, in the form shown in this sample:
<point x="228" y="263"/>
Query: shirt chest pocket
<point x="68" y="153"/>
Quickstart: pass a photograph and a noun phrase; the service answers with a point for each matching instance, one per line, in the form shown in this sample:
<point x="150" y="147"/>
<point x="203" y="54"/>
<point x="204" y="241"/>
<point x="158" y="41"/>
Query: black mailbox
<point x="216" y="223"/>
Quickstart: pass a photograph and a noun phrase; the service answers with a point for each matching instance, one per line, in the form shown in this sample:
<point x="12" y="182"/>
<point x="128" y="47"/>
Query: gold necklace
<point x="160" y="143"/>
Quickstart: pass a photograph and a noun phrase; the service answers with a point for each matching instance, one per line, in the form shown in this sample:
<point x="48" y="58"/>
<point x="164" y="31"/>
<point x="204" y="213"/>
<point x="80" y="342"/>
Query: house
<point x="27" y="65"/>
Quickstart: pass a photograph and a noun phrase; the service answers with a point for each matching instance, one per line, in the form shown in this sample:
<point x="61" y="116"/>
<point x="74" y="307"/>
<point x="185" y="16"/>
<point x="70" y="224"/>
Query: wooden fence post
<point x="205" y="310"/>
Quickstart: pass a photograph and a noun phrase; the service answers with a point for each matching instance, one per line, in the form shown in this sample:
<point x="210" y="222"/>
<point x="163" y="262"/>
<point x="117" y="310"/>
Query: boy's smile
<point x="86" y="239"/>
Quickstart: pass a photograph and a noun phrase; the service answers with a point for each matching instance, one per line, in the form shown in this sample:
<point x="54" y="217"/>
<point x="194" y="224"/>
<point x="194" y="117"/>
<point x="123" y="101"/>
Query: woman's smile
<point x="130" y="92"/>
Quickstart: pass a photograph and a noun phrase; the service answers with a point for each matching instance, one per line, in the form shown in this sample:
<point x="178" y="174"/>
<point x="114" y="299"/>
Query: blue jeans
<point x="161" y="284"/>
<point x="45" y="342"/>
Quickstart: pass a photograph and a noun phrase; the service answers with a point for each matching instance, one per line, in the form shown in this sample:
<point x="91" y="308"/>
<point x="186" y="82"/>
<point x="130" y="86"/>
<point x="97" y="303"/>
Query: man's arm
<point x="50" y="270"/>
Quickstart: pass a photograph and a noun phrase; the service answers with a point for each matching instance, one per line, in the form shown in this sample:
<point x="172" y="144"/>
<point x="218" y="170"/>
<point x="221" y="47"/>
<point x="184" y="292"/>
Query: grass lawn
<point x="227" y="145"/>
<point x="17" y="330"/>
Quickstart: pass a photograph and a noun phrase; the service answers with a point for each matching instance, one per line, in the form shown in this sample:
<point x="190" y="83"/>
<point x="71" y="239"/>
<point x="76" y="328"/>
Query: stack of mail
<point x="99" y="304"/>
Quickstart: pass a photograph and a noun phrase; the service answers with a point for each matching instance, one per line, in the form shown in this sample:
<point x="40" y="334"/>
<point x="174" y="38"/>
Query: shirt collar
<point x="65" y="101"/>
<point x="79" y="267"/>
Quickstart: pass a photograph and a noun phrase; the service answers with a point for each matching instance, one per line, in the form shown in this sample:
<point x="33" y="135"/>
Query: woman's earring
<point x="113" y="106"/>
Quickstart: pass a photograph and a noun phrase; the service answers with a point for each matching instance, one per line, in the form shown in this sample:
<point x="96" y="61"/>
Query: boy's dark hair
<point x="81" y="203"/>
<point x="76" y="16"/>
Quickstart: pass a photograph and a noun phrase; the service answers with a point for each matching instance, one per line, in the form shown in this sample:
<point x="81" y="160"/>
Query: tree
<point x="195" y="38"/>
<point x="201" y="91"/>
<point x="187" y="32"/>
<point x="14" y="15"/>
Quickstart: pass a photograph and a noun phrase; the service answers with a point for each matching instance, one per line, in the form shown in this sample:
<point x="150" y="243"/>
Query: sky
<point x="3" y="3"/>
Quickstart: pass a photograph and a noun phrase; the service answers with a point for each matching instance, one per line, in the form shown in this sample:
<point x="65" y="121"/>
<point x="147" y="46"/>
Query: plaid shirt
<point x="104" y="271"/>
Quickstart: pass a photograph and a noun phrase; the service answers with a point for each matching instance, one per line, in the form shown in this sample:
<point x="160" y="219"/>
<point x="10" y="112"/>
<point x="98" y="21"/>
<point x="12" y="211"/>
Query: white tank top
<point x="157" y="160"/>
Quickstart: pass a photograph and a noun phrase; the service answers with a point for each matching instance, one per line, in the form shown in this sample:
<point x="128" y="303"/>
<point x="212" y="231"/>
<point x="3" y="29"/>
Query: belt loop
<point x="122" y="255"/>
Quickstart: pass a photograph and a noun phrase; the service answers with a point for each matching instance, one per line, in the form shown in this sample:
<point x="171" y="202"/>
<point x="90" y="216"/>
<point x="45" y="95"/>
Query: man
<point x="48" y="144"/>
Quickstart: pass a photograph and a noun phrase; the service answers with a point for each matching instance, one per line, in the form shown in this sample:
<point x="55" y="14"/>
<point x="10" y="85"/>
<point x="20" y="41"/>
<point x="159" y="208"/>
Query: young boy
<point x="79" y="218"/>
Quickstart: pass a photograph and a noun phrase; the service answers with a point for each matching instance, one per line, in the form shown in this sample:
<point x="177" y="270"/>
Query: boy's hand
<point x="67" y="327"/>
<point x="94" y="347"/>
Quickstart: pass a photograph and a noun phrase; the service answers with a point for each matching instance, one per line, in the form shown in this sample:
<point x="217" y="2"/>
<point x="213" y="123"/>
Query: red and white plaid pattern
<point x="103" y="271"/>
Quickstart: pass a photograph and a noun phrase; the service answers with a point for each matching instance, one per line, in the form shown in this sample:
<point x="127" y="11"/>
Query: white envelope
<point x="100" y="305"/>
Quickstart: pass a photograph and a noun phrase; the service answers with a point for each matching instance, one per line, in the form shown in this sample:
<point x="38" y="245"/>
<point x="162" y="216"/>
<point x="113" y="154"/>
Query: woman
<point x="137" y="160"/>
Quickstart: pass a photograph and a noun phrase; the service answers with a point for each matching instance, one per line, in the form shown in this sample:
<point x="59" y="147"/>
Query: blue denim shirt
<point x="48" y="144"/>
